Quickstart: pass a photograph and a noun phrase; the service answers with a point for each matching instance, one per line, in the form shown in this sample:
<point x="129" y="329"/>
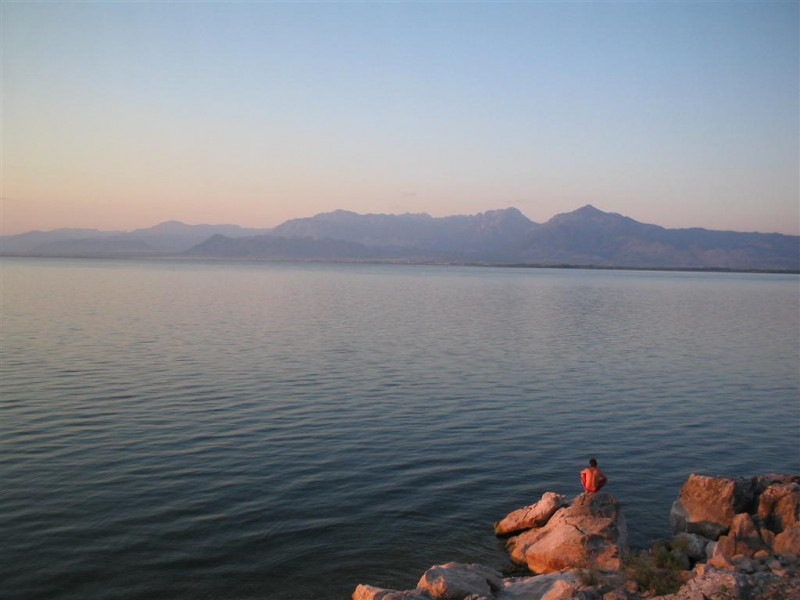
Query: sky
<point x="119" y="115"/>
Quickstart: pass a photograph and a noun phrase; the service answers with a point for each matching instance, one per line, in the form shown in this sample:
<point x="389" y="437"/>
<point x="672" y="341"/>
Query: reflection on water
<point x="245" y="430"/>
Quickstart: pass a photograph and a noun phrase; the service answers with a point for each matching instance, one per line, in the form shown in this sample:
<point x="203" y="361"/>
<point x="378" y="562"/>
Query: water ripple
<point x="175" y="430"/>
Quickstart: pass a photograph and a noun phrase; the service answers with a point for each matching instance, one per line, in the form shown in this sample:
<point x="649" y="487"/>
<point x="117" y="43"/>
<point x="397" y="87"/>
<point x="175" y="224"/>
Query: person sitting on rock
<point x="592" y="478"/>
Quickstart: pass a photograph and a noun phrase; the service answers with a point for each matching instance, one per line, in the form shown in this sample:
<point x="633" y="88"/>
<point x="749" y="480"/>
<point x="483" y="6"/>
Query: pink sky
<point x="123" y="115"/>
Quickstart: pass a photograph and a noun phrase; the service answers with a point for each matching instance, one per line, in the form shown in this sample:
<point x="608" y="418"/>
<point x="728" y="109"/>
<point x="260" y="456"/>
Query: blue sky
<point x="121" y="115"/>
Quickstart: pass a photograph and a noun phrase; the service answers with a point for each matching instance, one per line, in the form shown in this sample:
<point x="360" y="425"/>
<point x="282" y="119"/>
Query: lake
<point x="178" y="429"/>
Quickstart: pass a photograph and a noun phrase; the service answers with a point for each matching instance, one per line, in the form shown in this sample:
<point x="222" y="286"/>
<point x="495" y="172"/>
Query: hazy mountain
<point x="99" y="248"/>
<point x="584" y="237"/>
<point x="170" y="237"/>
<point x="23" y="243"/>
<point x="277" y="247"/>
<point x="405" y="230"/>
<point x="492" y="235"/>
<point x="177" y="237"/>
<point x="371" y="230"/>
<point x="589" y="236"/>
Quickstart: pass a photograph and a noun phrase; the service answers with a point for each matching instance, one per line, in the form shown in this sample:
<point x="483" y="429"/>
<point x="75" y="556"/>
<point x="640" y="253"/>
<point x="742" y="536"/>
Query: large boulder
<point x="540" y="587"/>
<point x="534" y="515"/>
<point x="743" y="538"/>
<point x="779" y="506"/>
<point x="788" y="541"/>
<point x="368" y="592"/>
<point x="590" y="533"/>
<point x="692" y="544"/>
<point x="707" y="505"/>
<point x="455" y="581"/>
<point x="713" y="583"/>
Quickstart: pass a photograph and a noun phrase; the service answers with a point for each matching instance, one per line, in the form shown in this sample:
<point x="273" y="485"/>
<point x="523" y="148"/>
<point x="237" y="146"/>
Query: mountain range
<point x="585" y="237"/>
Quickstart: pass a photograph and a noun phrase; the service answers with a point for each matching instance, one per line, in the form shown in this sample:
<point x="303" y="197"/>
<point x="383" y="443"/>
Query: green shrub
<point x="681" y="544"/>
<point x="655" y="571"/>
<point x="589" y="577"/>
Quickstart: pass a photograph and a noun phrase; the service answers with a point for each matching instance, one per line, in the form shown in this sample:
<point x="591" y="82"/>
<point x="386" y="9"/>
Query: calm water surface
<point x="237" y="430"/>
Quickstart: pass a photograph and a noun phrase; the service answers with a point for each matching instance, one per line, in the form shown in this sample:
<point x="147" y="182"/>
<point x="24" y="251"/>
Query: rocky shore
<point x="732" y="539"/>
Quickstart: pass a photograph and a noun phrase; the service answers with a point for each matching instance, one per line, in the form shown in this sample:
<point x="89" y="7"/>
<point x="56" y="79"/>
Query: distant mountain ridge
<point x="584" y="237"/>
<point x="170" y="237"/>
<point x="488" y="234"/>
<point x="590" y="236"/>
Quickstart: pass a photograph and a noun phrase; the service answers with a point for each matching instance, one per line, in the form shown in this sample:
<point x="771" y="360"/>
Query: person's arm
<point x="583" y="479"/>
<point x="601" y="479"/>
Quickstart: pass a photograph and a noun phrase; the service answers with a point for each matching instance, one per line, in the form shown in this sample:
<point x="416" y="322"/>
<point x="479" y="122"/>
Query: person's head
<point x="592" y="462"/>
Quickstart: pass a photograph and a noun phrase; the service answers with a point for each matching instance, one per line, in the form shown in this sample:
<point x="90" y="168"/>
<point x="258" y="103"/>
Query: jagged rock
<point x="782" y="583"/>
<point x="562" y="590"/>
<point x="694" y="545"/>
<point x="620" y="595"/>
<point x="762" y="482"/>
<point x="590" y="533"/>
<point x="535" y="515"/>
<point x="743" y="538"/>
<point x="682" y="559"/>
<point x="707" y="505"/>
<point x="721" y="560"/>
<point x="710" y="549"/>
<point x="779" y="506"/>
<point x="787" y="542"/>
<point x="712" y="583"/>
<point x="767" y="537"/>
<point x="539" y="586"/>
<point x="368" y="592"/>
<point x="745" y="564"/>
<point x="456" y="581"/>
<point x="578" y="583"/>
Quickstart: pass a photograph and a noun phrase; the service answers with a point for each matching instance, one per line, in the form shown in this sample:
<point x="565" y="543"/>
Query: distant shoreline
<point x="403" y="262"/>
